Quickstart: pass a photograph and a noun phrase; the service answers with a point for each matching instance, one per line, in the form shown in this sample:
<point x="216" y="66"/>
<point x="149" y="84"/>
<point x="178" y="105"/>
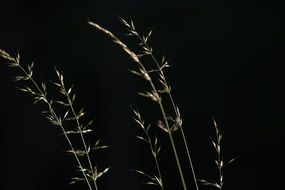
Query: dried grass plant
<point x="158" y="91"/>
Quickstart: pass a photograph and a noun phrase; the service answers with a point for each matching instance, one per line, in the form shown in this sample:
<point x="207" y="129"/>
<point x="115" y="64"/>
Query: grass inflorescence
<point x="39" y="93"/>
<point x="158" y="91"/>
<point x="219" y="162"/>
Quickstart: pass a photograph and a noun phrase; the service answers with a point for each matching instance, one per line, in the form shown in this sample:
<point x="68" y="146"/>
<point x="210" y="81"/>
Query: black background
<point x="227" y="59"/>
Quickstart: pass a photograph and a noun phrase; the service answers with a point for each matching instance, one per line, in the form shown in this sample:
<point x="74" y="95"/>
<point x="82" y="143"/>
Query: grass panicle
<point x="220" y="164"/>
<point x="39" y="94"/>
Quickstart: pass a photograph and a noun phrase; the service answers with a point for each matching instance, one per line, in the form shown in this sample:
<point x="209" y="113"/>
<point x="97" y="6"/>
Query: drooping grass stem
<point x="155" y="94"/>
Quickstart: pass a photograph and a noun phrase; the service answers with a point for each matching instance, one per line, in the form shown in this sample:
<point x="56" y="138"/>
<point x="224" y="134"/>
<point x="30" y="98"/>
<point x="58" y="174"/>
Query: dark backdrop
<point x="227" y="59"/>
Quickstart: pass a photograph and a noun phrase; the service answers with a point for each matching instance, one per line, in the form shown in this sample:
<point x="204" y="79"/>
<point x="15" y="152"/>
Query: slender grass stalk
<point x="175" y="108"/>
<point x="153" y="94"/>
<point x="146" y="47"/>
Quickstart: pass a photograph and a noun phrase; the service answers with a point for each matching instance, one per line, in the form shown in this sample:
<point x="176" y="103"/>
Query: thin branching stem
<point x="57" y="119"/>
<point x="61" y="126"/>
<point x="81" y="134"/>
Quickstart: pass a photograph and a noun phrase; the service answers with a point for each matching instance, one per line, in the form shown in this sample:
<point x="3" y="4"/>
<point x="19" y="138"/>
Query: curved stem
<point x="81" y="134"/>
